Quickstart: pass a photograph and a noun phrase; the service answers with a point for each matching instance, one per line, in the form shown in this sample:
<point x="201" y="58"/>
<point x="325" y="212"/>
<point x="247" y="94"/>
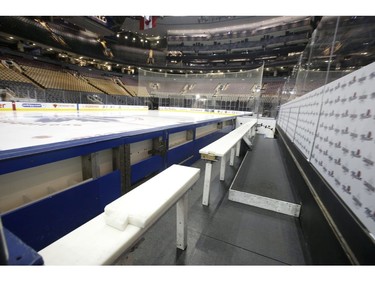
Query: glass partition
<point x="219" y="90"/>
<point x="338" y="46"/>
<point x="332" y="123"/>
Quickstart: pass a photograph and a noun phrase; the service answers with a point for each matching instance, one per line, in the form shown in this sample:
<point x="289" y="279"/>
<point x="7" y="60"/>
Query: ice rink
<point x="22" y="129"/>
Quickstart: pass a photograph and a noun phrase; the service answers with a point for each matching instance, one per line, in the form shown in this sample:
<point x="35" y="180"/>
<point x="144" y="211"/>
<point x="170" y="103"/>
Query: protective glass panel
<point x="232" y="91"/>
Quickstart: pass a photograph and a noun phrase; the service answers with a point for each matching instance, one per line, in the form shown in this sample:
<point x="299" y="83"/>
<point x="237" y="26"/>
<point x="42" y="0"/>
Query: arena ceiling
<point x="115" y="31"/>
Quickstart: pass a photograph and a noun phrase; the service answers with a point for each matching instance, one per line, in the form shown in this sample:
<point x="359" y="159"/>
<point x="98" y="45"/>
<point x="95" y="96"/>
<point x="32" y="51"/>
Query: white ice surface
<point x="27" y="129"/>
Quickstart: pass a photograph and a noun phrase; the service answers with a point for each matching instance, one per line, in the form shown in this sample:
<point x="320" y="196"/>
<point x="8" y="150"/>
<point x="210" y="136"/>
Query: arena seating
<point x="129" y="80"/>
<point x="37" y="63"/>
<point x="17" y="83"/>
<point x="11" y="75"/>
<point x="242" y="45"/>
<point x="166" y="87"/>
<point x="137" y="91"/>
<point x="207" y="88"/>
<point x="236" y="89"/>
<point x="107" y="86"/>
<point x="249" y="40"/>
<point x="50" y="82"/>
<point x="39" y="76"/>
<point x="51" y="79"/>
<point x="272" y="87"/>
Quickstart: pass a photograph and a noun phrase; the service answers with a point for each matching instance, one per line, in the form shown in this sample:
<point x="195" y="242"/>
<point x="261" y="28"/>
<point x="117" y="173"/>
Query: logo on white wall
<point x="366" y="115"/>
<point x="346" y="189"/>
<point x="362" y="97"/>
<point x="353" y="97"/>
<point x="345" y="114"/>
<point x="351" y="82"/>
<point x="345" y="169"/>
<point x="369" y="186"/>
<point x="362" y="79"/>
<point x="368" y="162"/>
<point x="356" y="175"/>
<point x="357" y="202"/>
<point x="346" y="122"/>
<point x="338" y="161"/>
<point x="354" y="135"/>
<point x="345" y="150"/>
<point x="367" y="137"/>
<point x="356" y="153"/>
<point x="337" y="182"/>
<point x="370" y="214"/>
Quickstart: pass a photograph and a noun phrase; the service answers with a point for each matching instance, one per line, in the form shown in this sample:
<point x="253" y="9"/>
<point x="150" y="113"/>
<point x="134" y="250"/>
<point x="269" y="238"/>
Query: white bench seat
<point x="93" y="243"/>
<point x="219" y="149"/>
<point x="149" y="200"/>
<point x="104" y="238"/>
<point x="221" y="146"/>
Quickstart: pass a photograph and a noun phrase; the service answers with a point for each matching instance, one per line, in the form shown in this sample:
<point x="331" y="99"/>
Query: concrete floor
<point x="224" y="233"/>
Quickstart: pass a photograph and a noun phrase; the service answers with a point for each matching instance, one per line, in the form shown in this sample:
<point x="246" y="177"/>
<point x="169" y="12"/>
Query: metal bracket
<point x="209" y="157"/>
<point x="90" y="168"/>
<point x="4" y="254"/>
<point x="182" y="217"/>
<point x="121" y="161"/>
<point x="159" y="147"/>
<point x="248" y="142"/>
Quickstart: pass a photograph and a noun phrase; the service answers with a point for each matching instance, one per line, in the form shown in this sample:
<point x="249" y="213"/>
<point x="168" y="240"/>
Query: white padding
<point x="151" y="199"/>
<point x="94" y="243"/>
<point x="117" y="220"/>
<point x="221" y="146"/>
<point x="99" y="241"/>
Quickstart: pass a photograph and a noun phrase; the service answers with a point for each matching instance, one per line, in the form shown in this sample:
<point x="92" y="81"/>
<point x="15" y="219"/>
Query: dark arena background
<point x="187" y="140"/>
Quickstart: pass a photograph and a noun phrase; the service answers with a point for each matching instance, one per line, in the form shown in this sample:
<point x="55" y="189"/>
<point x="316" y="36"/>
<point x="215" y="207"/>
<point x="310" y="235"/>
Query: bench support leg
<point x="207" y="183"/>
<point x="238" y="148"/>
<point x="222" y="167"/>
<point x="253" y="131"/>
<point x="182" y="216"/>
<point x="231" y="160"/>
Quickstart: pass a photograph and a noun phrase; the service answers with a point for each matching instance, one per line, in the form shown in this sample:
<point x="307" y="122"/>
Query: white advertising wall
<point x="334" y="128"/>
<point x="299" y="120"/>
